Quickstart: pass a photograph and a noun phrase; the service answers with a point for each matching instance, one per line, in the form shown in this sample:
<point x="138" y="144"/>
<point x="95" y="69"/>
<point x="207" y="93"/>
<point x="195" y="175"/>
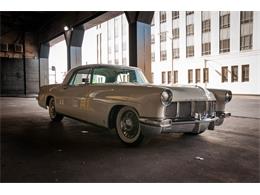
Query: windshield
<point x="118" y="75"/>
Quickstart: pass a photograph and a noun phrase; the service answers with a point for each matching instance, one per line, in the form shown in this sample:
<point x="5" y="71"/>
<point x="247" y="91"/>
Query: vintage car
<point x="120" y="97"/>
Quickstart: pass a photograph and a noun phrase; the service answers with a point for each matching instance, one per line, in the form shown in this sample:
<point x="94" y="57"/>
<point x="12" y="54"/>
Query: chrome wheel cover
<point x="129" y="126"/>
<point x="52" y="111"/>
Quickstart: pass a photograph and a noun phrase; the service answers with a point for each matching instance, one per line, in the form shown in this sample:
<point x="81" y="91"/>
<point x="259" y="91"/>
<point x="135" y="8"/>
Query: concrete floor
<point x="35" y="150"/>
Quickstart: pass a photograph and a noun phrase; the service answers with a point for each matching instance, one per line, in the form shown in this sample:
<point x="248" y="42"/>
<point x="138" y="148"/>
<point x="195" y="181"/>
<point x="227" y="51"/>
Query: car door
<point x="75" y="94"/>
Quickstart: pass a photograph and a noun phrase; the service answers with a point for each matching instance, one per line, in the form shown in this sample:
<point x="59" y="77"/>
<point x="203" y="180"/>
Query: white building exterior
<point x="226" y="45"/>
<point x="213" y="61"/>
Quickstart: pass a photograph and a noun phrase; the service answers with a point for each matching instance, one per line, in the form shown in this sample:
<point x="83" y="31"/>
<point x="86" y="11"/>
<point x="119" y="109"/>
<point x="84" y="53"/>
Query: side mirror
<point x="85" y="81"/>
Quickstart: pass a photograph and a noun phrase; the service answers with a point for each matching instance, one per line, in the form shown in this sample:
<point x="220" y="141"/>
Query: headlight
<point x="166" y="97"/>
<point x="228" y="96"/>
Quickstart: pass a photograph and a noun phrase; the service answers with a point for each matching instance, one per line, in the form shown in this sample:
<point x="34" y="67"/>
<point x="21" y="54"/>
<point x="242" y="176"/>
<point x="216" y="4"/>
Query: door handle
<point x="64" y="86"/>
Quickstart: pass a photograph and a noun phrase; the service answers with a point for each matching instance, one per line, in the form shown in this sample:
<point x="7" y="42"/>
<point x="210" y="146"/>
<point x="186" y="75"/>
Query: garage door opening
<point x="57" y="62"/>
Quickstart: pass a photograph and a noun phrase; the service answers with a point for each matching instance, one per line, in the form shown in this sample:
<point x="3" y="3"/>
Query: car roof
<point x="104" y="65"/>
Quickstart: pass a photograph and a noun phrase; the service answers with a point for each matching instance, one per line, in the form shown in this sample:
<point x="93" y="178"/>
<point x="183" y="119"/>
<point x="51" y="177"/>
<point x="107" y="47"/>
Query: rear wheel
<point x="52" y="111"/>
<point x="128" y="127"/>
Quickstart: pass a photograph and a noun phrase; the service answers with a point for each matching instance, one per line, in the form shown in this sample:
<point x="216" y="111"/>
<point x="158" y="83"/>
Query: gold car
<point x="120" y="97"/>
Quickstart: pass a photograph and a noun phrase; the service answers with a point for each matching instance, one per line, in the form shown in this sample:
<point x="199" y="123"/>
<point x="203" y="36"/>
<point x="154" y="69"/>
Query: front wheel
<point x="128" y="127"/>
<point x="52" y="111"/>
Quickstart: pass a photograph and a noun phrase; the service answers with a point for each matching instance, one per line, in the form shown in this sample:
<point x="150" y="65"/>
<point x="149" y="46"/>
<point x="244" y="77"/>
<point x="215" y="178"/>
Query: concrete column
<point x="44" y="64"/>
<point x="74" y="38"/>
<point x="140" y="41"/>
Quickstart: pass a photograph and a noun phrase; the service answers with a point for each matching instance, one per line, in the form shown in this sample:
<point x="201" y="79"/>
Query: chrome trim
<point x="178" y="110"/>
<point x="169" y="122"/>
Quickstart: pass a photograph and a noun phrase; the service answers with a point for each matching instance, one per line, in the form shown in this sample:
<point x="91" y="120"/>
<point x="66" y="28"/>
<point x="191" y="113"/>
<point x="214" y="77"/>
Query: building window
<point x="206" y="25"/>
<point x="175" y="78"/>
<point x="169" y="77"/>
<point x="163" y="36"/>
<point x="190" y="51"/>
<point x="197" y="71"/>
<point x="190" y="29"/>
<point x="163" y="55"/>
<point x="205" y="75"/>
<point x="246" y="42"/>
<point x="175" y="33"/>
<point x="234" y="73"/>
<point x="189" y="13"/>
<point x="245" y="73"/>
<point x="176" y="53"/>
<point x="224" y="20"/>
<point x="206" y="48"/>
<point x="116" y="61"/>
<point x="246" y="17"/>
<point x="162" y="17"/>
<point x="175" y="15"/>
<point x="153" y="56"/>
<point x="152" y="39"/>
<point x="246" y="30"/>
<point x="224" y="74"/>
<point x="163" y="77"/>
<point x="190" y="76"/>
<point x="224" y="45"/>
<point x="109" y="61"/>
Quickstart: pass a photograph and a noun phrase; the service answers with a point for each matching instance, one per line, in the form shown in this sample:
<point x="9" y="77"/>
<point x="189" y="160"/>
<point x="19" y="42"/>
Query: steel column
<point x="140" y="41"/>
<point x="74" y="39"/>
<point x="44" y="64"/>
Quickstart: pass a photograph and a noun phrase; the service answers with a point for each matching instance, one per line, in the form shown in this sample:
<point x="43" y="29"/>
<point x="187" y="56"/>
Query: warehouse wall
<point x="19" y="70"/>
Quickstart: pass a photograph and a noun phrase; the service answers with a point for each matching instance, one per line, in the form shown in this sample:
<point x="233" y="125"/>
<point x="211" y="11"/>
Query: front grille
<point x="171" y="110"/>
<point x="187" y="110"/>
<point x="200" y="107"/>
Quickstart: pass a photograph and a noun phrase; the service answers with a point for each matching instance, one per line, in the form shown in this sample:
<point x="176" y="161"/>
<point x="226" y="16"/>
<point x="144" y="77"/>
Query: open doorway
<point x="58" y="62"/>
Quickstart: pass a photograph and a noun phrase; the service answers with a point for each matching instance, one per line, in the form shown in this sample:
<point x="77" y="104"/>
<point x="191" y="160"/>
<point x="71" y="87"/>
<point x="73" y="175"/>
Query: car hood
<point x="187" y="92"/>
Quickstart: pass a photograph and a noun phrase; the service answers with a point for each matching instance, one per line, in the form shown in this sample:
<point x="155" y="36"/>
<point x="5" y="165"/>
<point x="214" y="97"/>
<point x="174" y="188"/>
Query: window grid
<point x="163" y="55"/>
<point x="175" y="15"/>
<point x="190" y="29"/>
<point x="234" y="73"/>
<point x="224" y="74"/>
<point x="190" y="76"/>
<point x="206" y="48"/>
<point x="175" y="33"/>
<point x="190" y="51"/>
<point x="224" y="46"/>
<point x="163" y="78"/>
<point x="176" y="53"/>
<point x="197" y="71"/>
<point x="169" y="77"/>
<point x="175" y="78"/>
<point x="245" y="73"/>
<point x="162" y="36"/>
<point x="205" y="75"/>
<point x="162" y="17"/>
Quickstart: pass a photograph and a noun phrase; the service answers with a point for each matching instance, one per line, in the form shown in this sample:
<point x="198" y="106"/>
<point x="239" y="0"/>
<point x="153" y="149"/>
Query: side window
<point x="82" y="77"/>
<point x="98" y="79"/>
<point x="123" y="77"/>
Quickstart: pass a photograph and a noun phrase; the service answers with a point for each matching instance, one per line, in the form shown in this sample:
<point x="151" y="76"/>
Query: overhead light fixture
<point x="66" y="28"/>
